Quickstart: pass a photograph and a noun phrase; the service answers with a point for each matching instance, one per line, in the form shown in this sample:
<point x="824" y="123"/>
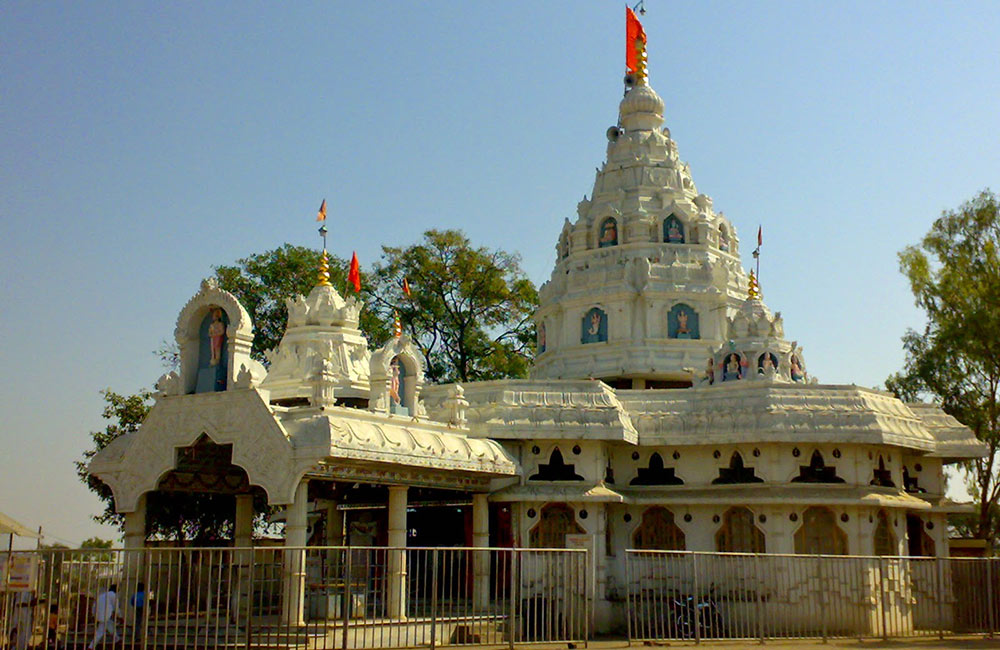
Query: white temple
<point x="666" y="409"/>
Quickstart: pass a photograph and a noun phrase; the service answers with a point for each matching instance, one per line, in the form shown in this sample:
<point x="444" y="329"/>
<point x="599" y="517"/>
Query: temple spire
<point x="323" y="277"/>
<point x="635" y="48"/>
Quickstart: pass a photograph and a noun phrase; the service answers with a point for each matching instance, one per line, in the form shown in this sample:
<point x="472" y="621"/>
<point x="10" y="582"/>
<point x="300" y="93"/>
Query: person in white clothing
<point x="106" y="611"/>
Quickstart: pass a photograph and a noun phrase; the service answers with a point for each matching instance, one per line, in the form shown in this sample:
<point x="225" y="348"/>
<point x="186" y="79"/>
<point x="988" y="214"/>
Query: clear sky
<point x="143" y="143"/>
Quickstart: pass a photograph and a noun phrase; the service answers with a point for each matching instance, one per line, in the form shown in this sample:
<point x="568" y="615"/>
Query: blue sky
<point x="143" y="143"/>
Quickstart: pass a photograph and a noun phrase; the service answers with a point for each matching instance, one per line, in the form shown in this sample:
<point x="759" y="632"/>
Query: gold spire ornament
<point x="640" y="62"/>
<point x="323" y="277"/>
<point x="397" y="326"/>
<point x="753" y="288"/>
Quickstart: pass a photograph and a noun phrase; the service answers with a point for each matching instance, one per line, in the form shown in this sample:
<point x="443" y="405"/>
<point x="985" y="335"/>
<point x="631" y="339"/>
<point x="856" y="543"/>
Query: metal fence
<point x="690" y="595"/>
<point x="309" y="598"/>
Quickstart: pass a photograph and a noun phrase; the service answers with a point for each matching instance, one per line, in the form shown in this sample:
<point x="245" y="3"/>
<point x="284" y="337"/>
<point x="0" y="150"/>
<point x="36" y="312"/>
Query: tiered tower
<point x="648" y="273"/>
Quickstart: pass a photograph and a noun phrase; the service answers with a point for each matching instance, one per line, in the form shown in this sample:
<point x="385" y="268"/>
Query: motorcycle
<point x="703" y="613"/>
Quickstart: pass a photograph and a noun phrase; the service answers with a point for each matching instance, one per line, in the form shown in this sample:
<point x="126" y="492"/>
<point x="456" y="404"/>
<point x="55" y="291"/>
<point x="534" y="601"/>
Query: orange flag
<point x="321" y="215"/>
<point x="633" y="33"/>
<point x="406" y="287"/>
<point x="354" y="275"/>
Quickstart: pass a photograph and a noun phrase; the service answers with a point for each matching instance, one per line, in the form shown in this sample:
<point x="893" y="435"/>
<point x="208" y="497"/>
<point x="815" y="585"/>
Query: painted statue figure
<point x="682" y="325"/>
<point x="394" y="380"/>
<point x="798" y="374"/>
<point x="609" y="233"/>
<point x="767" y="364"/>
<point x="732" y="370"/>
<point x="595" y="324"/>
<point x="674" y="235"/>
<point x="216" y="336"/>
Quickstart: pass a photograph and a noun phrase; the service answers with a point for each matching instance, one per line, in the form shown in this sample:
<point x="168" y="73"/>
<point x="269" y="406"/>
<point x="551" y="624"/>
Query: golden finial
<point x="753" y="289"/>
<point x="640" y="62"/>
<point x="323" y="278"/>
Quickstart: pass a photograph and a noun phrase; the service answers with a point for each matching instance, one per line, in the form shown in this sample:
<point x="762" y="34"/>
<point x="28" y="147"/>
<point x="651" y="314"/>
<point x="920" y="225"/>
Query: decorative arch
<point x="396" y="372"/>
<point x="682" y="322"/>
<point x="607" y="234"/>
<point x="819" y="533"/>
<point x="884" y="540"/>
<point x="556" y="469"/>
<point x="211" y="356"/>
<point x="656" y="473"/>
<point x="594" y="326"/>
<point x="555" y="521"/>
<point x="658" y="531"/>
<point x="673" y="230"/>
<point x="738" y="533"/>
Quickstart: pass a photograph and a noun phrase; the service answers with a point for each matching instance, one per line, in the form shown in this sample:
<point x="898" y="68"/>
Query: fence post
<point x="249" y="570"/>
<point x="346" y="618"/>
<point x="760" y="597"/>
<point x="939" y="577"/>
<point x="434" y="596"/>
<point x="695" y="598"/>
<point x="822" y="595"/>
<point x="630" y="605"/>
<point x="511" y="597"/>
<point x="989" y="594"/>
<point x="883" y="597"/>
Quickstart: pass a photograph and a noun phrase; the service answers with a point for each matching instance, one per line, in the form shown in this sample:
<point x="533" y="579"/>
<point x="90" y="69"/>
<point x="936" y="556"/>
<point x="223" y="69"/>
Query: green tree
<point x="470" y="308"/>
<point x="954" y="274"/>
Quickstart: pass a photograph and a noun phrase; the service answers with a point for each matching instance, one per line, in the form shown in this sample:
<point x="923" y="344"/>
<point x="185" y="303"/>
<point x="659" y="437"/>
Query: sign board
<point x="18" y="571"/>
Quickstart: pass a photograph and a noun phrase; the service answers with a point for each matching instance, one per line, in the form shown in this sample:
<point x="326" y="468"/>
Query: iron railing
<point x="691" y="595"/>
<point x="308" y="598"/>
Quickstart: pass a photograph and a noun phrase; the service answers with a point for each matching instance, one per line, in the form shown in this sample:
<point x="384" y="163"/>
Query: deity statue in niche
<point x="682" y="322"/>
<point x="732" y="367"/>
<point x="797" y="371"/>
<point x="595" y="326"/>
<point x="216" y="336"/>
<point x="673" y="230"/>
<point x="541" y="338"/>
<point x="609" y="233"/>
<point x="394" y="380"/>
<point x="767" y="364"/>
<point x="723" y="240"/>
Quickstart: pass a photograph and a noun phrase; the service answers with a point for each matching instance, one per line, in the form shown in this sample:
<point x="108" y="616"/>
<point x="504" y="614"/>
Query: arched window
<point x="213" y="350"/>
<point x="738" y="533"/>
<point x="658" y="531"/>
<point x="594" y="328"/>
<point x="556" y="469"/>
<point x="723" y="239"/>
<point x="817" y="471"/>
<point x="555" y="522"/>
<point x="884" y="539"/>
<point x="656" y="473"/>
<point x="673" y="230"/>
<point x="736" y="473"/>
<point x="682" y="322"/>
<point x="819" y="534"/>
<point x="608" y="235"/>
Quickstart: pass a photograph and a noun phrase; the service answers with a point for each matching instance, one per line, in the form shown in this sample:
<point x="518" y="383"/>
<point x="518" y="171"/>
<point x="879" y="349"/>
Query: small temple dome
<point x="641" y="109"/>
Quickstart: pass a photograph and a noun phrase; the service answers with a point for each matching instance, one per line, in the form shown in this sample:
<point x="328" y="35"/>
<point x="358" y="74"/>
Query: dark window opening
<point x="817" y="471"/>
<point x="556" y="469"/>
<point x="736" y="472"/>
<point x="656" y="473"/>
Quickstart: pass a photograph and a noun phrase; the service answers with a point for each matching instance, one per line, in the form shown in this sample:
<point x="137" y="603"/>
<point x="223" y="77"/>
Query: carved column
<point x="397" y="552"/>
<point x="294" y="581"/>
<point x="481" y="559"/>
<point x="243" y="559"/>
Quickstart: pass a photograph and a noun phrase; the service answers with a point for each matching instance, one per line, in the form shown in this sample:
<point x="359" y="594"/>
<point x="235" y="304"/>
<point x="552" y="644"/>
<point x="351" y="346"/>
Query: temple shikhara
<point x="667" y="408"/>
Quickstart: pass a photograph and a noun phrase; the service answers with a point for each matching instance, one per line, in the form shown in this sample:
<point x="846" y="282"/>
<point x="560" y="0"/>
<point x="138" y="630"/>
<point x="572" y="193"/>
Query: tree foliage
<point x="954" y="274"/>
<point x="470" y="308"/>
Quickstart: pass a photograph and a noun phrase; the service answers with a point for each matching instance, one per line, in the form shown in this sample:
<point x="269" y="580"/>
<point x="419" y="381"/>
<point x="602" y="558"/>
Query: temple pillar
<point x="134" y="541"/>
<point x="243" y="531"/>
<point x="242" y="558"/>
<point x="294" y="578"/>
<point x="334" y="525"/>
<point x="397" y="552"/>
<point x="481" y="559"/>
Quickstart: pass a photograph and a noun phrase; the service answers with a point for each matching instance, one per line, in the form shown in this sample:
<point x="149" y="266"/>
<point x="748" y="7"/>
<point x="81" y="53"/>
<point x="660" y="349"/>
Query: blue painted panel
<point x="682" y="322"/>
<point x="594" y="327"/>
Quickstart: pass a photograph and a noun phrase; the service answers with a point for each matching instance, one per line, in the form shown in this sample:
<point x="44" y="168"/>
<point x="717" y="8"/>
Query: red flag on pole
<point x="321" y="215"/>
<point x="406" y="287"/>
<point x="760" y="235"/>
<point x="354" y="275"/>
<point x="633" y="33"/>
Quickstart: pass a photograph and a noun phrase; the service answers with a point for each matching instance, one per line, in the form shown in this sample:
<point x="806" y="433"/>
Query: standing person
<point x="105" y="611"/>
<point x="138" y="603"/>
